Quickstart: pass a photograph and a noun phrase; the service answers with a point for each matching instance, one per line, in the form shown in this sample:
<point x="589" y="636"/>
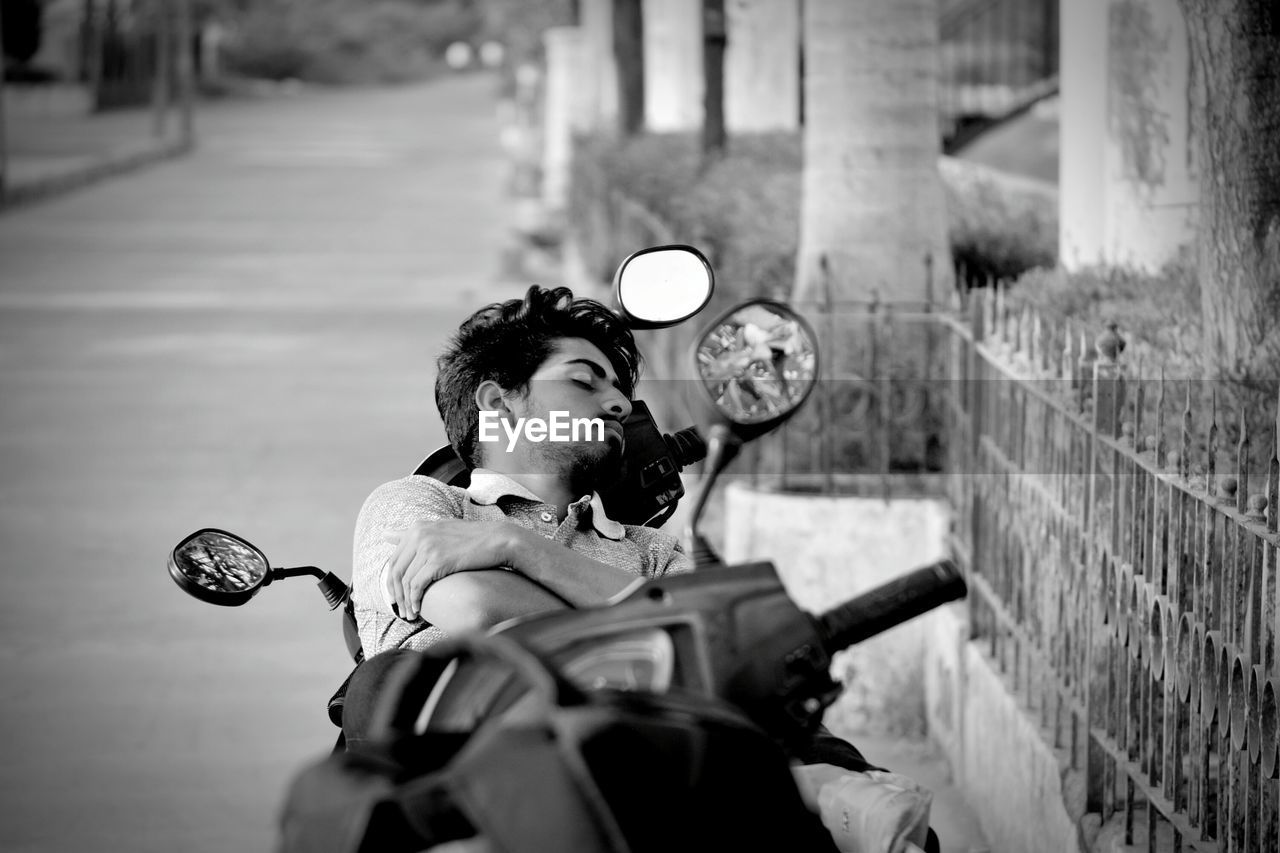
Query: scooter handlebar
<point x="890" y="604"/>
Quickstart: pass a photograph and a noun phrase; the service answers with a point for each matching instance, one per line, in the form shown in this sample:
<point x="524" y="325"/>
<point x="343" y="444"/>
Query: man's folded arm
<point x="476" y="601"/>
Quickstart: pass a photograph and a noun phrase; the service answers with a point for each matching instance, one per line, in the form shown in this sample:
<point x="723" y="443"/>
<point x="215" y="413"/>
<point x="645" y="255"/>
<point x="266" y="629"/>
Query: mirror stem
<point x="722" y="447"/>
<point x="332" y="587"/>
<point x="297" y="572"/>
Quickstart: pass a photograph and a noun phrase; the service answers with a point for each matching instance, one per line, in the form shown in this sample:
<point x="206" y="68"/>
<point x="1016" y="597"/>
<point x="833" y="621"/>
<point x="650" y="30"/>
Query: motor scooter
<point x="722" y="643"/>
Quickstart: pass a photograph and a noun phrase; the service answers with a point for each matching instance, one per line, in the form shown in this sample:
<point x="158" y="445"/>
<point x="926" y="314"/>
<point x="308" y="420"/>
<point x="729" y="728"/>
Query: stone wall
<point x="1027" y="798"/>
<point x="829" y="548"/>
<point x="1129" y="185"/>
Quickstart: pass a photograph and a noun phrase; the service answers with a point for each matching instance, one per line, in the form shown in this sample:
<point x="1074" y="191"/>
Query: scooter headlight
<point x="643" y="659"/>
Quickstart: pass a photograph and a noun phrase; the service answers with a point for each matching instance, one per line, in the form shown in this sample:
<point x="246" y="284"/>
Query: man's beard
<point x="592" y="465"/>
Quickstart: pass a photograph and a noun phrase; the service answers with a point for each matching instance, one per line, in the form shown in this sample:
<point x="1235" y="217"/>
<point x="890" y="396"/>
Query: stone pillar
<point x="1082" y="132"/>
<point x="762" y="65"/>
<point x="600" y="73"/>
<point x="563" y="110"/>
<point x="212" y="37"/>
<point x="1128" y="190"/>
<point x="1152" y="192"/>
<point x="673" y="85"/>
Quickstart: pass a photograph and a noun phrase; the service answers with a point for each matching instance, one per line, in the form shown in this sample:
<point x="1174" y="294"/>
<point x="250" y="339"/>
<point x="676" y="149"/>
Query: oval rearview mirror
<point x="662" y="286"/>
<point x="757" y="363"/>
<point x="219" y="567"/>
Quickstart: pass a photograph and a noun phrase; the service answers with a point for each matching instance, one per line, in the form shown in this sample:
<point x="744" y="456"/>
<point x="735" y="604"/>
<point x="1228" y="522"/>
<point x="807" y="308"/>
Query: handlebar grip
<point x="686" y="446"/>
<point x="890" y="604"/>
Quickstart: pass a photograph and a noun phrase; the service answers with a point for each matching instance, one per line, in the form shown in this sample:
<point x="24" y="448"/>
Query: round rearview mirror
<point x="219" y="567"/>
<point x="757" y="363"/>
<point x="662" y="286"/>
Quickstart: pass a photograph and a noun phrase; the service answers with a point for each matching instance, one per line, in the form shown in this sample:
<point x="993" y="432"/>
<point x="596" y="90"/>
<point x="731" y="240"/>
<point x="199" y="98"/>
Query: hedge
<point x="745" y="209"/>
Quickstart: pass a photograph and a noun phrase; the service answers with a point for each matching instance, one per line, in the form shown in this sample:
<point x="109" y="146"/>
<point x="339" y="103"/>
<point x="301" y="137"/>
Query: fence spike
<point x="1272" y="485"/>
<point x="1064" y="356"/>
<point x="994" y="331"/>
<point x="1026" y="342"/>
<point x="988" y="310"/>
<point x="1212" y="463"/>
<point x="1242" y="465"/>
<point x="1109" y="344"/>
<point x="1041" y="344"/>
<point x="1159" y="448"/>
<point x="1001" y="319"/>
<point x="977" y="315"/>
<point x="928" y="281"/>
<point x="1008" y="325"/>
<point x="1185" y="461"/>
<point x="1139" y="398"/>
<point x="1084" y="369"/>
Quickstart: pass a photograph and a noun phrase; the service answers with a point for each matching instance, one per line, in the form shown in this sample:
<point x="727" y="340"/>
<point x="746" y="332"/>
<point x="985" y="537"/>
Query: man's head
<point x="528" y="357"/>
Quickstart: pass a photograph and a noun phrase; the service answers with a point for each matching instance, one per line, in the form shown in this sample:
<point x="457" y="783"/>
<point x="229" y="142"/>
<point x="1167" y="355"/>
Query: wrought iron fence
<point x="1123" y="574"/>
<point x="876" y="422"/>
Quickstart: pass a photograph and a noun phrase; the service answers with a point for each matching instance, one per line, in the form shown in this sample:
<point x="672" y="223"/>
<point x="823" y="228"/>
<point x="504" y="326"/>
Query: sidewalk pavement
<point x="47" y="154"/>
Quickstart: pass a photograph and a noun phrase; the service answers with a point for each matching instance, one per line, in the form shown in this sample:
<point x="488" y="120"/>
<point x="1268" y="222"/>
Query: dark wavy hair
<point x="508" y="341"/>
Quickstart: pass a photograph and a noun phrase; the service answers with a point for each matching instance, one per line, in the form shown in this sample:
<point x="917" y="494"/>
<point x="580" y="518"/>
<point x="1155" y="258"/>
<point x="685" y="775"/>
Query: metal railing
<point x="1123" y="575"/>
<point x="876" y="421"/>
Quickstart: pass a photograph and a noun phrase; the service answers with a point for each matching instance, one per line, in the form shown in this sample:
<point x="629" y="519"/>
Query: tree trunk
<point x="872" y="207"/>
<point x="673" y="86"/>
<point x="628" y="50"/>
<point x="714" y="38"/>
<point x="600" y="79"/>
<point x="1235" y="92"/>
<point x="762" y="66"/>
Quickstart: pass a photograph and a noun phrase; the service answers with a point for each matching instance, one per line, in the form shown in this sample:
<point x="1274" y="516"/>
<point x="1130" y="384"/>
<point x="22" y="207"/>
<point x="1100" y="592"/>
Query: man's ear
<point x="491" y="398"/>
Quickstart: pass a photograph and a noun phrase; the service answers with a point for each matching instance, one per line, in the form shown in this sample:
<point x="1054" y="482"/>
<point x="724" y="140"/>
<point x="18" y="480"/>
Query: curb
<point x="16" y="196"/>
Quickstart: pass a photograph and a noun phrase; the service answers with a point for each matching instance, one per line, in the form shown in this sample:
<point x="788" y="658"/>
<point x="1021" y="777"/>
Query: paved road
<point x="240" y="339"/>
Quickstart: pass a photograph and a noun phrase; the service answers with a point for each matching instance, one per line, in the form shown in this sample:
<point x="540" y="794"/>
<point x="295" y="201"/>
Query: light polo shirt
<point x="643" y="551"/>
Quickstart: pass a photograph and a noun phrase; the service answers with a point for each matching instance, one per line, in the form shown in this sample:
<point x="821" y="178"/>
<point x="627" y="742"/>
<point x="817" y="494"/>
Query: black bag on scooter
<point x="564" y="770"/>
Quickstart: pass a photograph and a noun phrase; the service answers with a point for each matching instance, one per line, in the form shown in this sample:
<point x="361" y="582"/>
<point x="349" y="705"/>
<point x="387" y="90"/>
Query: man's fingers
<point x="389" y="586"/>
<point x="391" y="572"/>
<point x="413" y="583"/>
<point x="417" y="586"/>
<point x="395" y="574"/>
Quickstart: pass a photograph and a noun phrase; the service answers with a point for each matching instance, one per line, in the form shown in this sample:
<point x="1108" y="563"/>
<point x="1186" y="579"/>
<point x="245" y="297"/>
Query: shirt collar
<point x="488" y="487"/>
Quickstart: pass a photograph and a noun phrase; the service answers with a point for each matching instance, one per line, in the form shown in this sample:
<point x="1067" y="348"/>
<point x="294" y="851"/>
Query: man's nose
<point x="618" y="406"/>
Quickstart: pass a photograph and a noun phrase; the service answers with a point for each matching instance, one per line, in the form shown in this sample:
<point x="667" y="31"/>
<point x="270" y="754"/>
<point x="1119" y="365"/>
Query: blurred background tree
<point x="1235" y="97"/>
<point x="519" y="24"/>
<point x="343" y="41"/>
<point x="22" y="30"/>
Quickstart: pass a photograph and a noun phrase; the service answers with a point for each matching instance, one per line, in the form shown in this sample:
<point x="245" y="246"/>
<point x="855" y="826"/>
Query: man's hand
<point x="431" y="550"/>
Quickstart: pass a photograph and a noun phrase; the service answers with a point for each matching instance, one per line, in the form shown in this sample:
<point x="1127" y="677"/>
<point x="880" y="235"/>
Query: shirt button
<point x="546" y="516"/>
